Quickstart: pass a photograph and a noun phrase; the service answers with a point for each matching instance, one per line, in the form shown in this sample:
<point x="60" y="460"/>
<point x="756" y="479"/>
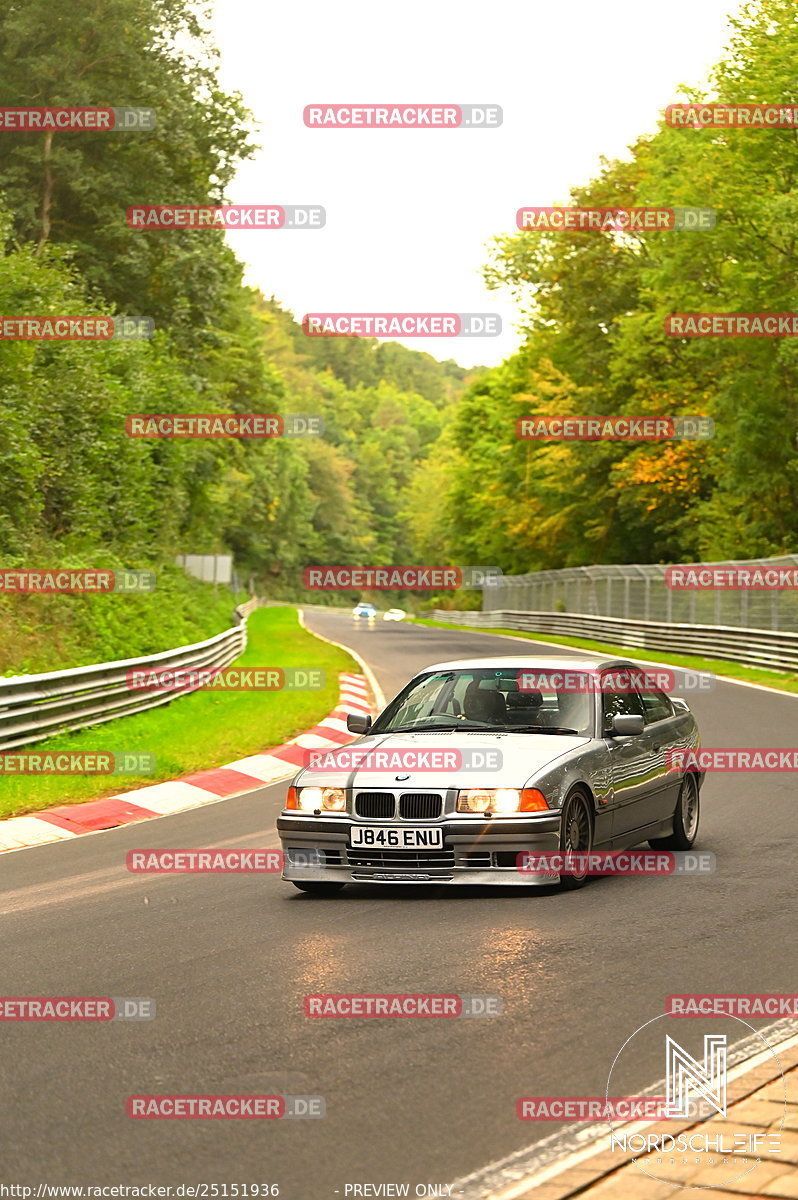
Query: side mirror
<point x="627" y="724"/>
<point x="358" y="722"/>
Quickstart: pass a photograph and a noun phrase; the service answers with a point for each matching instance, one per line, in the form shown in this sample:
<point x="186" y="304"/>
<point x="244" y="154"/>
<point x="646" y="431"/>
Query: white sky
<point x="409" y="212"/>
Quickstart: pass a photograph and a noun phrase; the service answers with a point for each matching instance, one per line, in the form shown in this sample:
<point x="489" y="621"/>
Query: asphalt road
<point x="228" y="959"/>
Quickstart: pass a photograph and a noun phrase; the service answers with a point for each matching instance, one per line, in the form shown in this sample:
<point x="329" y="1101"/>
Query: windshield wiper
<point x="543" y="729"/>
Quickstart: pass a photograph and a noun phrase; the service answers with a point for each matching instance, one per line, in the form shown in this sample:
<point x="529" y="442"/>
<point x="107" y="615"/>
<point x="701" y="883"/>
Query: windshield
<point x="489" y="698"/>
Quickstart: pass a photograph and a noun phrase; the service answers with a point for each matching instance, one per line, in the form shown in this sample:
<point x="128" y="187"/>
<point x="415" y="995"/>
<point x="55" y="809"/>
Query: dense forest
<point x="75" y="489"/>
<point x="419" y="461"/>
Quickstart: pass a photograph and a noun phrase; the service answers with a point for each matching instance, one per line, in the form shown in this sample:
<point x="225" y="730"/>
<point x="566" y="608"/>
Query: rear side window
<point x="656" y="705"/>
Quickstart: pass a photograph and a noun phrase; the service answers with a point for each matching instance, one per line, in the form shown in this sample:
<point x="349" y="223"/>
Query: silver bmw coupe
<point x="477" y="763"/>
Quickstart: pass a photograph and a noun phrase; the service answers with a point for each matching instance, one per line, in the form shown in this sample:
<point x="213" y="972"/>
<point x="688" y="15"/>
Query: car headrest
<point x="524" y="699"/>
<point x="480" y="704"/>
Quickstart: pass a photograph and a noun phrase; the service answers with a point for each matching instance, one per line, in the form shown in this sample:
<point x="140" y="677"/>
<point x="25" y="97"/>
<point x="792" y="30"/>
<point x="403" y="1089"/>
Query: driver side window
<point x="615" y="703"/>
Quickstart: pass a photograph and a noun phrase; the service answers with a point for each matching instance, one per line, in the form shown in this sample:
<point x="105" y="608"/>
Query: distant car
<point x="364" y="610"/>
<point x="394" y="614"/>
<point x="578" y="768"/>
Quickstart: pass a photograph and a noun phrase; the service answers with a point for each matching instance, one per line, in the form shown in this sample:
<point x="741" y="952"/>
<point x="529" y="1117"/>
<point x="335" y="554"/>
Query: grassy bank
<point x="50" y="632"/>
<point x="780" y="680"/>
<point x="198" y="731"/>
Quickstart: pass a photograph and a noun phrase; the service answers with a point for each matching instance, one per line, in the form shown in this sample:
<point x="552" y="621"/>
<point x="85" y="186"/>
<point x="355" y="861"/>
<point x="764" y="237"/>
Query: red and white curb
<point x="203" y="787"/>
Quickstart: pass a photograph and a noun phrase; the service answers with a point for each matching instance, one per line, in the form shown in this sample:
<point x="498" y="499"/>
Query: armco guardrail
<point x="34" y="707"/>
<point x="753" y="647"/>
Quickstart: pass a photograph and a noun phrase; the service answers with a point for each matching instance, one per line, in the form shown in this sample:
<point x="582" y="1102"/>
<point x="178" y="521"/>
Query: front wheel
<point x="576" y="836"/>
<point x="685" y="819"/>
<point x="317" y="887"/>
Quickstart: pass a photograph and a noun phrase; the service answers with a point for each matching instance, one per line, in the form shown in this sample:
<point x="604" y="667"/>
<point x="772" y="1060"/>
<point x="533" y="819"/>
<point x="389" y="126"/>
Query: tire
<point x="317" y="887"/>
<point x="685" y="818"/>
<point x="576" y="833"/>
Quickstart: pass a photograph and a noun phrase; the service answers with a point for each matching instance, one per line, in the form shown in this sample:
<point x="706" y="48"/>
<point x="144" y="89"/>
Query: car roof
<point x="530" y="663"/>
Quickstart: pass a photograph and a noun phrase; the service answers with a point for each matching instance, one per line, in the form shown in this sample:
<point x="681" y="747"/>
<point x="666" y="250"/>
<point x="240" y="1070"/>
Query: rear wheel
<point x="576" y="836"/>
<point x="317" y="887"/>
<point x="685" y="819"/>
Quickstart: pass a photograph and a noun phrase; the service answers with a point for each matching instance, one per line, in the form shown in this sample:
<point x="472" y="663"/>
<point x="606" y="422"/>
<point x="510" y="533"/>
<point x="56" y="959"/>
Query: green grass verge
<point x="781" y="681"/>
<point x="38" y="631"/>
<point x="198" y="731"/>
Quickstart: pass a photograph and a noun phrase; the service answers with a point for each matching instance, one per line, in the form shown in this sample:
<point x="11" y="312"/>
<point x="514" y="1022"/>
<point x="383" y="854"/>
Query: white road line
<point x="265" y="767"/>
<point x="334" y="723"/>
<point x="377" y="692"/>
<point x="169" y="797"/>
<point x="18" y="832"/>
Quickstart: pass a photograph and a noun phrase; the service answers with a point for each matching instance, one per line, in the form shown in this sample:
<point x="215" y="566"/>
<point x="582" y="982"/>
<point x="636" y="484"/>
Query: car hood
<point x="453" y="760"/>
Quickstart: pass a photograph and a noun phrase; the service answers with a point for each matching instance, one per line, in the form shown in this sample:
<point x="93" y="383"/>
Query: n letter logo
<point x="683" y="1075"/>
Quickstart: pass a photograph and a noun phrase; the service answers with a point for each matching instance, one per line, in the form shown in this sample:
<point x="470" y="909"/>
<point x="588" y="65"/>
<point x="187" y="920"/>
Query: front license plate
<point x="380" y="838"/>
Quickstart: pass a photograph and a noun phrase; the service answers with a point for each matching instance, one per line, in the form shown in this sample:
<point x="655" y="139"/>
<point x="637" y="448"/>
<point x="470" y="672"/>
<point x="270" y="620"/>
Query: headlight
<point x="480" y="800"/>
<point x="501" y="800"/>
<point x="327" y="799"/>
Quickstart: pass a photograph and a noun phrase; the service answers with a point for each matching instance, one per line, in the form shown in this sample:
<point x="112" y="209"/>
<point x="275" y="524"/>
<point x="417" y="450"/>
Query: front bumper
<point x="475" y="851"/>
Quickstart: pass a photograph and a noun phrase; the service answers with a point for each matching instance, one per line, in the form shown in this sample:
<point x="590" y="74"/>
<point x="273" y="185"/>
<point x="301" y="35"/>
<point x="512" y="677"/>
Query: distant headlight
<point x="329" y="799"/>
<point x="501" y="800"/>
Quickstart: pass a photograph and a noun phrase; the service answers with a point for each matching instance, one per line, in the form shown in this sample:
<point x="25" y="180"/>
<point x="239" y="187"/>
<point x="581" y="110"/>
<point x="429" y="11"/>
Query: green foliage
<point x="44" y="632"/>
<point x="76" y="489"/>
<point x="73" y="189"/>
<point x="595" y="306"/>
